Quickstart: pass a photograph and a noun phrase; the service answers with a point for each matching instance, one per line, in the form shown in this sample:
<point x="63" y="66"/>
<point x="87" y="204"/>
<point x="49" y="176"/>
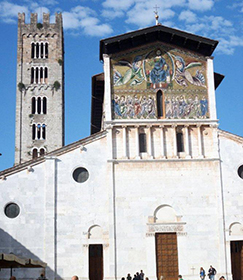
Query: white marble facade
<point x="128" y="197"/>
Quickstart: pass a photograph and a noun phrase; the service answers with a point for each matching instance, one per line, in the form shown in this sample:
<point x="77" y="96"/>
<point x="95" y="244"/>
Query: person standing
<point x="129" y="276"/>
<point x="141" y="275"/>
<point x="75" y="277"/>
<point x="202" y="273"/>
<point x="211" y="272"/>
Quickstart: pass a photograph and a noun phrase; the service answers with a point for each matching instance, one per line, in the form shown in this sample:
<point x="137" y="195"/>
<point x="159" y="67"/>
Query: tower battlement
<point x="35" y="25"/>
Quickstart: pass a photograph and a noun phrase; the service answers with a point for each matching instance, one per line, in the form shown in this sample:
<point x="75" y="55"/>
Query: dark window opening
<point x="37" y="50"/>
<point x="33" y="131"/>
<point x="34" y="154"/>
<point x="46" y="50"/>
<point x="32" y="75"/>
<point x="42" y="152"/>
<point x="160" y="103"/>
<point x="12" y="210"/>
<point x="180" y="144"/>
<point x="33" y="105"/>
<point x="42" y="50"/>
<point x="32" y="50"/>
<point x="41" y="75"/>
<point x="44" y="105"/>
<point x="142" y="143"/>
<point x="36" y="75"/>
<point x="240" y="171"/>
<point x="46" y="74"/>
<point x="38" y="105"/>
<point x="38" y="131"/>
<point x="43" y="131"/>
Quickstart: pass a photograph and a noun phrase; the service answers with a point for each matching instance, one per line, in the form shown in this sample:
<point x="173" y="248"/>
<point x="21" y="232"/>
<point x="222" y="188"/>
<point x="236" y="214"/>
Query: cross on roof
<point x="156" y="14"/>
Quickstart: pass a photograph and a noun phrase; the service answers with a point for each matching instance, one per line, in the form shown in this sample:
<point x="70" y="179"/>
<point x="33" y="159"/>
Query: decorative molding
<point x="175" y="227"/>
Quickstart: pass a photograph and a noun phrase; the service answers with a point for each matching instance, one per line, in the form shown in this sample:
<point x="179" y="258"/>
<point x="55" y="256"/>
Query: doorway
<point x="236" y="248"/>
<point x="95" y="262"/>
<point x="167" y="256"/>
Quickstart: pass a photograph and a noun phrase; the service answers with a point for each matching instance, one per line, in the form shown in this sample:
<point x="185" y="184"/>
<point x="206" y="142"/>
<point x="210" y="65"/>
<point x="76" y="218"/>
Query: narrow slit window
<point x="34" y="154"/>
<point x="142" y="143"/>
<point x="46" y="50"/>
<point x="46" y="74"/>
<point x="38" y="131"/>
<point x="39" y="105"/>
<point x="37" y="50"/>
<point x="42" y="50"/>
<point x="43" y="131"/>
<point x="32" y="75"/>
<point x="180" y="144"/>
<point x="33" y="105"/>
<point x="44" y="105"/>
<point x="33" y="131"/>
<point x="33" y="50"/>
<point x="42" y="152"/>
<point x="160" y="104"/>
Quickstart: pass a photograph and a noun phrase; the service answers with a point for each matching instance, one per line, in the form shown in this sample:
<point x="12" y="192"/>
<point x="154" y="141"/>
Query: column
<point x="200" y="155"/>
<point x="35" y="50"/>
<point x="174" y="141"/>
<point x="187" y="141"/>
<point x="36" y="105"/>
<point x="150" y="144"/>
<point x="44" y="50"/>
<point x="124" y="132"/>
<point x="39" y="72"/>
<point x="137" y="142"/>
<point x="162" y="142"/>
<point x="34" y="75"/>
<point x="36" y="131"/>
<point x="39" y="50"/>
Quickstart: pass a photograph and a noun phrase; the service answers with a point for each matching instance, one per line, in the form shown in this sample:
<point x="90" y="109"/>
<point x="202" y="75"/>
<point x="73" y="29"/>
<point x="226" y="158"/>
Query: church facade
<point x="157" y="186"/>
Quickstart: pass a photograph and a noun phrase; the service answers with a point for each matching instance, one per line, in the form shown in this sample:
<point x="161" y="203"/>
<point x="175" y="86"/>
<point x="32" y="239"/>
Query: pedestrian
<point x="75" y="277"/>
<point x="202" y="273"/>
<point x="222" y="278"/>
<point x="12" y="278"/>
<point x="123" y="278"/>
<point x="141" y="275"/>
<point x="180" y="277"/>
<point x="129" y="277"/>
<point x="211" y="272"/>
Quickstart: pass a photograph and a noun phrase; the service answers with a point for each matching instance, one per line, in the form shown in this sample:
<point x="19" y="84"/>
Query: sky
<point x="86" y="22"/>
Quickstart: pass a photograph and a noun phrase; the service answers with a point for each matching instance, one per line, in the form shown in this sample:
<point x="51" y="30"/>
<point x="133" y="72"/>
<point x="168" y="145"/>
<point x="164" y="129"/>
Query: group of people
<point x="211" y="273"/>
<point x="137" y="276"/>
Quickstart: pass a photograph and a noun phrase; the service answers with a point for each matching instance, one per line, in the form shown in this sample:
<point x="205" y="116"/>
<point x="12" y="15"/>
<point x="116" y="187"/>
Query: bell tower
<point x="40" y="87"/>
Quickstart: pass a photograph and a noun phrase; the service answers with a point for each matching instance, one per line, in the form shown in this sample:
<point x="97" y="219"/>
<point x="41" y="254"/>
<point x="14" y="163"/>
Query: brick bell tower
<point x="40" y="87"/>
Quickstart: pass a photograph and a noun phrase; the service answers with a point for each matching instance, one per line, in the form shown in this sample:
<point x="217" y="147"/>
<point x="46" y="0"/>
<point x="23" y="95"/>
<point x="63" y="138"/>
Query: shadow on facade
<point x="10" y="245"/>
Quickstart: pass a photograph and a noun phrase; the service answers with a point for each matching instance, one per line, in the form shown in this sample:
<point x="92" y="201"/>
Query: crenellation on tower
<point x="40" y="76"/>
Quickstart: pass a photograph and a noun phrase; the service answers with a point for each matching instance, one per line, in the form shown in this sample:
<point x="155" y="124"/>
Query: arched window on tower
<point x="32" y="75"/>
<point x="46" y="75"/>
<point x="33" y="107"/>
<point x="42" y="50"/>
<point x="38" y="131"/>
<point x="37" y="50"/>
<point x="43" y="131"/>
<point x="142" y="143"/>
<point x="41" y="75"/>
<point x="42" y="152"/>
<point x="39" y="105"/>
<point x="34" y="153"/>
<point x="44" y="103"/>
<point x="180" y="142"/>
<point x="32" y="50"/>
<point x="33" y="131"/>
<point x="46" y="50"/>
<point x="160" y="104"/>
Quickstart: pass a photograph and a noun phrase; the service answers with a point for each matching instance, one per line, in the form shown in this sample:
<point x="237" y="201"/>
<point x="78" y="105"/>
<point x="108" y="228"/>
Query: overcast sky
<point x="86" y="22"/>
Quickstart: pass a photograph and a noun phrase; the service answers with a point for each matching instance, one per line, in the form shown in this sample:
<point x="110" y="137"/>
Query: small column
<point x="150" y="144"/>
<point x="44" y="51"/>
<point x="200" y="155"/>
<point x="35" y="50"/>
<point x="174" y="141"/>
<point x="137" y="142"/>
<point x="34" y="75"/>
<point x="41" y="104"/>
<point x="124" y="132"/>
<point x="187" y="141"/>
<point x="36" y="105"/>
<point x="36" y="131"/>
<point x="39" y="50"/>
<point x="162" y="142"/>
<point x="39" y="72"/>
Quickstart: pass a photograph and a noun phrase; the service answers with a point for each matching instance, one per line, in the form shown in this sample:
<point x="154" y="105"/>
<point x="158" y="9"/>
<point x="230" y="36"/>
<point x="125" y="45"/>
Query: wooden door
<point x="237" y="259"/>
<point x="167" y="256"/>
<point x="95" y="262"/>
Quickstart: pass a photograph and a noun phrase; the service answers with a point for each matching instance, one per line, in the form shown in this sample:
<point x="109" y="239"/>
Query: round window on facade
<point x="240" y="171"/>
<point x="80" y="174"/>
<point x="11" y="210"/>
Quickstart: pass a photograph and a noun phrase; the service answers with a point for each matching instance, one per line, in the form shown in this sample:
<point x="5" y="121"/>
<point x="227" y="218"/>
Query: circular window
<point x="80" y="174"/>
<point x="11" y="210"/>
<point x="240" y="171"/>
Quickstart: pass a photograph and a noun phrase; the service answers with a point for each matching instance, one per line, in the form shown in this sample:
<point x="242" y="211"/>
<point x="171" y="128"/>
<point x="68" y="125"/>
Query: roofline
<point x="57" y="152"/>
<point x="170" y="35"/>
<point x="231" y="135"/>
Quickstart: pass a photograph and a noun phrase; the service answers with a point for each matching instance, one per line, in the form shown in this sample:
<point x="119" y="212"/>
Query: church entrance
<point x="95" y="262"/>
<point x="236" y="248"/>
<point x="167" y="256"/>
